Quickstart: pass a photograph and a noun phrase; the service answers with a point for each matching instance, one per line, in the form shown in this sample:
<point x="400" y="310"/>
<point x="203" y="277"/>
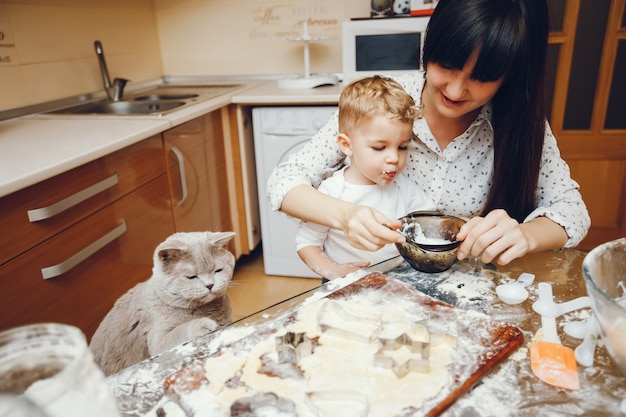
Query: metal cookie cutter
<point x="417" y="364"/>
<point x="291" y="347"/>
<point x="420" y="364"/>
<point x="334" y="319"/>
<point x="262" y="401"/>
<point x="402" y="369"/>
<point x="337" y="403"/>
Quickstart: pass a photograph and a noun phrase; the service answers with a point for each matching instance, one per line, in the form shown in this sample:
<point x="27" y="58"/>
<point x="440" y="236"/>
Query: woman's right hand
<point x="367" y="228"/>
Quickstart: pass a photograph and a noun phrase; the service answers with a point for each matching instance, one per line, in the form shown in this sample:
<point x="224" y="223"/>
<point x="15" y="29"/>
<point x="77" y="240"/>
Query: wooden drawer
<point x="74" y="195"/>
<point x="85" y="293"/>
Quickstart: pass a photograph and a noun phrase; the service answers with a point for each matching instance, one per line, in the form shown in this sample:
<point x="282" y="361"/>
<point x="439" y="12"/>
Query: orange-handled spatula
<point x="550" y="361"/>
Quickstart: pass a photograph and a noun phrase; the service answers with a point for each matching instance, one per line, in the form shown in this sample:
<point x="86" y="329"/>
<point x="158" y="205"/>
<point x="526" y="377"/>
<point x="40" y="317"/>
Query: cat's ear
<point x="169" y="256"/>
<point x="222" y="238"/>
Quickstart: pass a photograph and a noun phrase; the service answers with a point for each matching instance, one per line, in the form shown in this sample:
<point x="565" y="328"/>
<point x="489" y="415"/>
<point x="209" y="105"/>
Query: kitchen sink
<point x="158" y="100"/>
<point x="123" y="107"/>
<point x="192" y="92"/>
<point x="157" y="97"/>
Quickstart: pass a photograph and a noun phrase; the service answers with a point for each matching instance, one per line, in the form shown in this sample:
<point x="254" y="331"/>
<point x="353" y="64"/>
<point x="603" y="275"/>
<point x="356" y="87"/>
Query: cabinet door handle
<point x="86" y="252"/>
<point x="60" y="206"/>
<point x="183" y="176"/>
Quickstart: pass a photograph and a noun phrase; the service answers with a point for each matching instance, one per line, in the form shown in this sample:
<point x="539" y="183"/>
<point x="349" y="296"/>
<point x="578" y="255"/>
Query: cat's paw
<point x="201" y="326"/>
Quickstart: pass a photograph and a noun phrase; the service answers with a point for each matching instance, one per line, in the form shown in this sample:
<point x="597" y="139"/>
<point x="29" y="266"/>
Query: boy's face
<point x="377" y="149"/>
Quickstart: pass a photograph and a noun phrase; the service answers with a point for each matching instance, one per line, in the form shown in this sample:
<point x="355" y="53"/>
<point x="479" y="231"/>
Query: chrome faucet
<point x="115" y="90"/>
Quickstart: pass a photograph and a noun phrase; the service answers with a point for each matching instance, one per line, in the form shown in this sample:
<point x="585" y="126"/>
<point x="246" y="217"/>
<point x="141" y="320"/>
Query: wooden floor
<point x="251" y="290"/>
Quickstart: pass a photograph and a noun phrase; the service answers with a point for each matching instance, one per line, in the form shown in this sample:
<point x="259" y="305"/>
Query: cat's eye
<point x="192" y="277"/>
<point x="218" y="270"/>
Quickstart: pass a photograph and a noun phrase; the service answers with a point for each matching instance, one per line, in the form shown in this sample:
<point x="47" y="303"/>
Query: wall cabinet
<point x="90" y="238"/>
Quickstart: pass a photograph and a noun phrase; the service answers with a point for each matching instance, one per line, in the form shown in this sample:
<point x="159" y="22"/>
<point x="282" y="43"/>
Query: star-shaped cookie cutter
<point x="293" y="346"/>
<point x="414" y="364"/>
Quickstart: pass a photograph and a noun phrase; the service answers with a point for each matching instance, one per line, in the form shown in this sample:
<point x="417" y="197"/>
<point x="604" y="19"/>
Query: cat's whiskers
<point x="234" y="284"/>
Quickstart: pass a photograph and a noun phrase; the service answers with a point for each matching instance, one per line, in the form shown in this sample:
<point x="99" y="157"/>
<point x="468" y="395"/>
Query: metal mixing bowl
<point x="604" y="269"/>
<point x="428" y="257"/>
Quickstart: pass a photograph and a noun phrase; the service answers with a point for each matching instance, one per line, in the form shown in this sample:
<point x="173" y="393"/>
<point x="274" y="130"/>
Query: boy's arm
<point x="315" y="258"/>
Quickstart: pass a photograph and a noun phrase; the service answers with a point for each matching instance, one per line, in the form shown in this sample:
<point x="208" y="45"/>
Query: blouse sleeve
<point x="309" y="166"/>
<point x="558" y="197"/>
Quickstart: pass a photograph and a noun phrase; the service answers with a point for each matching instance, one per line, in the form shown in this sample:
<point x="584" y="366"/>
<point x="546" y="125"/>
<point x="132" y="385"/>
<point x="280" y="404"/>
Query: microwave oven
<point x="385" y="46"/>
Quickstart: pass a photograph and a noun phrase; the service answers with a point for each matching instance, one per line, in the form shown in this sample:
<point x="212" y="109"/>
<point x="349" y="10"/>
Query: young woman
<point x="483" y="148"/>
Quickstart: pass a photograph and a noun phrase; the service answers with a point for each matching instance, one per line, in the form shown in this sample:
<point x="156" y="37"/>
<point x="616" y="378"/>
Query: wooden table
<point x="511" y="389"/>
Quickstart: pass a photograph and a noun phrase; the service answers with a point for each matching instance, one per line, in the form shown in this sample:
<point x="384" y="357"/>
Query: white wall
<point x="216" y="37"/>
<point x="47" y="53"/>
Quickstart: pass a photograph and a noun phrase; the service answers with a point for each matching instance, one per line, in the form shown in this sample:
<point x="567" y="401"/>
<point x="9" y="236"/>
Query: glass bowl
<point x="604" y="269"/>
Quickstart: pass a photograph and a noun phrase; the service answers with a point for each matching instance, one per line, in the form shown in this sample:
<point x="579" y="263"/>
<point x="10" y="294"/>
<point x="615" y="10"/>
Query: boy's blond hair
<point x="366" y="98"/>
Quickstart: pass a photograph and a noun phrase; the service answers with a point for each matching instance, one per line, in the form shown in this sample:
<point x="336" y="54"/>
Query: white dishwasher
<point x="278" y="132"/>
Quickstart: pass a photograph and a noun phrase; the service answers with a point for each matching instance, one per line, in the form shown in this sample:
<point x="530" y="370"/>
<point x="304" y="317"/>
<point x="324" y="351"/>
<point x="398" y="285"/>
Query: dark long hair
<point x="511" y="37"/>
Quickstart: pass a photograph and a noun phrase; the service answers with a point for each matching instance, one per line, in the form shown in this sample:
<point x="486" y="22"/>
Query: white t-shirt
<point x="394" y="200"/>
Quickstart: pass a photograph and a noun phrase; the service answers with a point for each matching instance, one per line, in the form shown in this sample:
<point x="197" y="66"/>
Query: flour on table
<point x="222" y="368"/>
<point x="340" y="372"/>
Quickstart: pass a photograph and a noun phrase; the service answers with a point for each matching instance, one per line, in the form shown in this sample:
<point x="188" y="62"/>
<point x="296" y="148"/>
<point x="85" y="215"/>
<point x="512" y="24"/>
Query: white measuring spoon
<point x="515" y="292"/>
<point x="576" y="329"/>
<point x="549" y="308"/>
<point x="585" y="352"/>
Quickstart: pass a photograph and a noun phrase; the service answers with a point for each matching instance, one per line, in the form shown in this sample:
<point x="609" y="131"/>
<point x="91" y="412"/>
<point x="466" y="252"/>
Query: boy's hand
<point x="368" y="229"/>
<point x="341" y="270"/>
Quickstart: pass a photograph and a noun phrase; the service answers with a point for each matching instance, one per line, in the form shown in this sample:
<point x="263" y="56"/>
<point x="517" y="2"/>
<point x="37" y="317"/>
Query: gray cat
<point x="185" y="298"/>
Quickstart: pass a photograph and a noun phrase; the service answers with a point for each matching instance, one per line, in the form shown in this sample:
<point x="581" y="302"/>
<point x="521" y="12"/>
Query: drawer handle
<point x="52" y="210"/>
<point x="86" y="252"/>
<point x="183" y="176"/>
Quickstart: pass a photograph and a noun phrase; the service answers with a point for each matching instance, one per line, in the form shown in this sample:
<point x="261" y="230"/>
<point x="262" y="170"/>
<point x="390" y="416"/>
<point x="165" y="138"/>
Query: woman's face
<point x="452" y="94"/>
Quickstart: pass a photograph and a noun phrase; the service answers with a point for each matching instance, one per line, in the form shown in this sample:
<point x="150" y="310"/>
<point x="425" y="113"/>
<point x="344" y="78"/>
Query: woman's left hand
<point x="494" y="238"/>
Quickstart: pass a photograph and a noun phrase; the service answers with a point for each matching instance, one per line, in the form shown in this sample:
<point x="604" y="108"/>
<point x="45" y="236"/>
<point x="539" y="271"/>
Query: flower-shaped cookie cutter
<point x="293" y="346"/>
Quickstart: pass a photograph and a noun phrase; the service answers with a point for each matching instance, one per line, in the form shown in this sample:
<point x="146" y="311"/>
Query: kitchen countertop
<point x="510" y="389"/>
<point x="36" y="149"/>
<point x="39" y="146"/>
<point x="269" y="93"/>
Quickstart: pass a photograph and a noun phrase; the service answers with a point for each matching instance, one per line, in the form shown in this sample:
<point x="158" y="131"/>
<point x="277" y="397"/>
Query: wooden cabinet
<point x="239" y="140"/>
<point x="32" y="215"/>
<point x="71" y="265"/>
<point x="73" y="244"/>
<point x="586" y="82"/>
<point x="199" y="184"/>
<point x="186" y="166"/>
